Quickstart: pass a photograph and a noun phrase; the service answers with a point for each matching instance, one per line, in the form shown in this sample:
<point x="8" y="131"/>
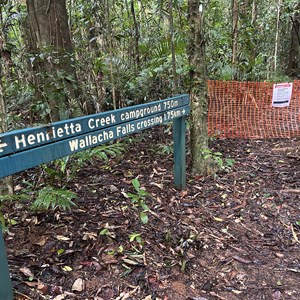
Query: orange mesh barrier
<point x="244" y="110"/>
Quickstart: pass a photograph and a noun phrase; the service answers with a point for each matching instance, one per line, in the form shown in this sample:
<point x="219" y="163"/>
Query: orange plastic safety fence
<point x="244" y="110"/>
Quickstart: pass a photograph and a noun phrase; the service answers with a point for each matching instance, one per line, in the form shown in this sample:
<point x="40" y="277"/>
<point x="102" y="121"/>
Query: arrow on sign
<point x="3" y="145"/>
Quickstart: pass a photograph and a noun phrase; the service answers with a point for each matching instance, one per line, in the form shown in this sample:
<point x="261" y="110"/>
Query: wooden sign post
<point x="30" y="147"/>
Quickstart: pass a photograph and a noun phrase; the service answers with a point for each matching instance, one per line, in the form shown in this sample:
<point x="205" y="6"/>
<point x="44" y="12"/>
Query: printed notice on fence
<point x="282" y="93"/>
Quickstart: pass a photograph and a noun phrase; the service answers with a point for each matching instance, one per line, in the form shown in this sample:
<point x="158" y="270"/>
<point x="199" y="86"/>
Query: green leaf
<point x="134" y="198"/>
<point x="104" y="231"/>
<point x="134" y="236"/>
<point x="136" y="184"/>
<point x="143" y="193"/>
<point x="218" y="154"/>
<point x="144" y="218"/>
<point x="144" y="206"/>
<point x="60" y="251"/>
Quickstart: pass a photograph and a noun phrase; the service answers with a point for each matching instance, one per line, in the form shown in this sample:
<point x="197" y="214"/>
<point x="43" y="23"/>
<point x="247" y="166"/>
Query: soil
<point x="234" y="234"/>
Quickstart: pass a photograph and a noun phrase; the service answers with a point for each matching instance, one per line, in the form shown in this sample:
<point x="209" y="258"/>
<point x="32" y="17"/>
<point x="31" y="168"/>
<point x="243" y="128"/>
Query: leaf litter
<point x="231" y="235"/>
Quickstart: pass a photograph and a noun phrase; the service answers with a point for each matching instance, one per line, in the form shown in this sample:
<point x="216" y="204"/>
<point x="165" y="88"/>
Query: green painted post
<point x="6" y="291"/>
<point x="179" y="153"/>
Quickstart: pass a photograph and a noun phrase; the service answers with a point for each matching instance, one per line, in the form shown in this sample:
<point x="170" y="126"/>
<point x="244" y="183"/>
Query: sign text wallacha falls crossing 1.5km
<point x="30" y="147"/>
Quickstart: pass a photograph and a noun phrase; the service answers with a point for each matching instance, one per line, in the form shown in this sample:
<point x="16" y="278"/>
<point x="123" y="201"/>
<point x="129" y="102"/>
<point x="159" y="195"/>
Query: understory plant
<point x="52" y="198"/>
<point x="55" y="194"/>
<point x="138" y="200"/>
<point x="217" y="161"/>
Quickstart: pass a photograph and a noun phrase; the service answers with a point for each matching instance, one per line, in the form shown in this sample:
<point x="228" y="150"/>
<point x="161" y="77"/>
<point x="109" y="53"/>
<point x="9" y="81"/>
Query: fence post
<point x="6" y="291"/>
<point x="179" y="153"/>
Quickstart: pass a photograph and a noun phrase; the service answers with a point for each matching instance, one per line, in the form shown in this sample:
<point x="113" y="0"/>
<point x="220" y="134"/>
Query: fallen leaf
<point x="39" y="285"/>
<point x="41" y="241"/>
<point x="93" y="264"/>
<point x="108" y="259"/>
<point x="280" y="255"/>
<point x="159" y="185"/>
<point x="62" y="238"/>
<point x="130" y="262"/>
<point x="241" y="259"/>
<point x="67" y="269"/>
<point x="125" y="296"/>
<point x="152" y="279"/>
<point x="27" y="272"/>
<point x="113" y="189"/>
<point x="43" y="287"/>
<point x="183" y="194"/>
<point x="31" y="283"/>
<point x="64" y="296"/>
<point x="276" y="295"/>
<point x="78" y="285"/>
<point x="60" y="297"/>
<point x="218" y="219"/>
<point x="237" y="292"/>
<point x="89" y="236"/>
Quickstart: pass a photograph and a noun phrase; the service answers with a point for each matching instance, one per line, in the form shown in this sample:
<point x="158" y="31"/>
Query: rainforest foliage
<point x="63" y="58"/>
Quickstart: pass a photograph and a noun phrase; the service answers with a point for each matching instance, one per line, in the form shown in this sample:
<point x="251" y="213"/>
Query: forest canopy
<point x="87" y="56"/>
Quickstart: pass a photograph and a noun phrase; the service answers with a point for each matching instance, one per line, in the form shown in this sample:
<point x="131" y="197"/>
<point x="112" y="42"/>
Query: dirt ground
<point x="231" y="235"/>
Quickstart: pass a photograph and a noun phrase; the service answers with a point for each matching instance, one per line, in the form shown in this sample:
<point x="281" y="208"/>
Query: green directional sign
<point x="20" y="140"/>
<point x="22" y="160"/>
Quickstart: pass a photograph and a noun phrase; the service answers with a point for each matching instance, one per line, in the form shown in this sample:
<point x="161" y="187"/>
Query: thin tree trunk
<point x="235" y="19"/>
<point x="110" y="48"/>
<point x="294" y="53"/>
<point x="136" y="38"/>
<point x="254" y="13"/>
<point x="198" y="88"/>
<point x="253" y="24"/>
<point x="174" y="73"/>
<point x="277" y="35"/>
<point x="6" y="185"/>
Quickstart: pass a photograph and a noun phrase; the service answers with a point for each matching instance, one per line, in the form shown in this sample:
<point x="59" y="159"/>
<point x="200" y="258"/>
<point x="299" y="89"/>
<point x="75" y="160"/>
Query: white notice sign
<point x="282" y="93"/>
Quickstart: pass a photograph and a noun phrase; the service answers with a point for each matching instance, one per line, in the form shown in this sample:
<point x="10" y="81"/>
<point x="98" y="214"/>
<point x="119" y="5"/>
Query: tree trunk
<point x="136" y="39"/>
<point x="111" y="57"/>
<point x="6" y="185"/>
<point x="276" y="47"/>
<point x="198" y="88"/>
<point x="235" y="19"/>
<point x="294" y="53"/>
<point x="52" y="62"/>
<point x="174" y="73"/>
<point x="253" y="24"/>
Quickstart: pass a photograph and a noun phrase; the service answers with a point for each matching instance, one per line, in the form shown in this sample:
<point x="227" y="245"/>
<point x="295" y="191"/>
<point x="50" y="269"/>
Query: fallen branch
<point x="297" y="147"/>
<point x="296" y="191"/>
